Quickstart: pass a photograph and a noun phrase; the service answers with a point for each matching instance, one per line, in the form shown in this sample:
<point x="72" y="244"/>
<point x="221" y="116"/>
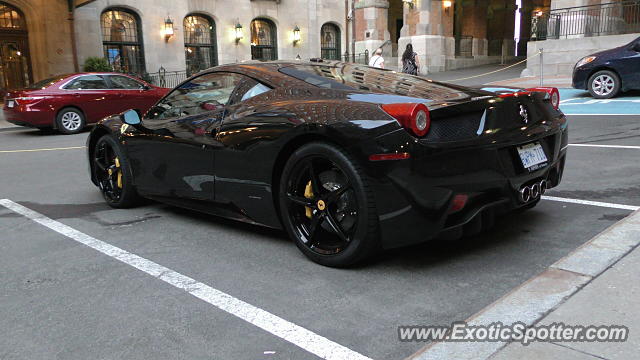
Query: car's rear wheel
<point x="70" y="121"/>
<point x="604" y="84"/>
<point x="112" y="173"/>
<point x="327" y="206"/>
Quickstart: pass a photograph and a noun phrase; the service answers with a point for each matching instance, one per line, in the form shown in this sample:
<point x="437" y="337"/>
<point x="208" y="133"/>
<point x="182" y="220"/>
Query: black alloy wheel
<point x="326" y="206"/>
<point x="111" y="171"/>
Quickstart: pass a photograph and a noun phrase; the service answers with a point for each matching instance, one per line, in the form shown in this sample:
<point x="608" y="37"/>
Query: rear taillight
<point x="553" y="93"/>
<point x="27" y="99"/>
<point x="413" y="117"/>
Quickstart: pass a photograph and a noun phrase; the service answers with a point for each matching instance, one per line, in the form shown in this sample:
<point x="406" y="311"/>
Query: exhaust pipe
<point x="525" y="194"/>
<point x="535" y="191"/>
<point x="543" y="187"/>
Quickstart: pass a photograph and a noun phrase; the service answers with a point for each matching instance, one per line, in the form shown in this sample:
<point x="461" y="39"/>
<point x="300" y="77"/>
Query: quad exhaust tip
<point x="533" y="192"/>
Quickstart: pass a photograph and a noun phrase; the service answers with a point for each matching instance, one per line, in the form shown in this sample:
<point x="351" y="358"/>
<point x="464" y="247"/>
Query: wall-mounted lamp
<point x="408" y="2"/>
<point x="539" y="13"/>
<point x="446" y="5"/>
<point x="296" y="35"/>
<point x="239" y="34"/>
<point x="168" y="29"/>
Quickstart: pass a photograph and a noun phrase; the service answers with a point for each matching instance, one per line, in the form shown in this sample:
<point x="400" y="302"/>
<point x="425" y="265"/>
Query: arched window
<point x="199" y="43"/>
<point x="330" y="42"/>
<point x="122" y="41"/>
<point x="15" y="65"/>
<point x="264" y="40"/>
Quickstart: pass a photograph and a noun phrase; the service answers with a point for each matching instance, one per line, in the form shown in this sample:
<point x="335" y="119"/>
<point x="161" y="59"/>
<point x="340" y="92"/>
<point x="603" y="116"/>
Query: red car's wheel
<point x="70" y="121"/>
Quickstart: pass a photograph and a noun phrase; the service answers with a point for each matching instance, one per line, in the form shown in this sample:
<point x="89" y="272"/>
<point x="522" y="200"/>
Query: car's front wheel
<point x="70" y="121"/>
<point x="604" y="84"/>
<point x="327" y="207"/>
<point x="112" y="173"/>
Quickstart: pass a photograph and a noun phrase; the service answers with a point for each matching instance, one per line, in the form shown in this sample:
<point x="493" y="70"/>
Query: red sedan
<point x="69" y="102"/>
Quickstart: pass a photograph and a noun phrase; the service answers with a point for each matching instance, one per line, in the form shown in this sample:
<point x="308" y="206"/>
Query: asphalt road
<point x="61" y="299"/>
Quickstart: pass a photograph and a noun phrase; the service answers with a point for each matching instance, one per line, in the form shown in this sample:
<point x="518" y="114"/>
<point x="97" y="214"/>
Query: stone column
<point x="371" y="25"/>
<point x="428" y="26"/>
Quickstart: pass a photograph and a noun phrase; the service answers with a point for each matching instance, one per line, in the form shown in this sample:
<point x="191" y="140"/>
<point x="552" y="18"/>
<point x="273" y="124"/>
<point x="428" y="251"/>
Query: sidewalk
<point x="558" y="81"/>
<point x="596" y="284"/>
<point x="612" y="298"/>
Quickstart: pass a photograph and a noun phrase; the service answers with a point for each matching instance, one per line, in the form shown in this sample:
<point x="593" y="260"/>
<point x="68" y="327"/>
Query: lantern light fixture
<point x="447" y="5"/>
<point x="239" y="34"/>
<point x="408" y="2"/>
<point x="168" y="29"/>
<point x="296" y="35"/>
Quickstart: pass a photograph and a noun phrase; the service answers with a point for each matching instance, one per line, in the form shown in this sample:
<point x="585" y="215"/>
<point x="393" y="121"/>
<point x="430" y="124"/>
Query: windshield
<point x="43" y="84"/>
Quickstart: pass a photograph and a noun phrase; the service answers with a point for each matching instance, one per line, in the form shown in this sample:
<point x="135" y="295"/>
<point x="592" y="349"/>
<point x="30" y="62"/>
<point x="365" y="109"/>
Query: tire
<point x="326" y="206"/>
<point x="70" y="121"/>
<point x="116" y="185"/>
<point x="604" y="84"/>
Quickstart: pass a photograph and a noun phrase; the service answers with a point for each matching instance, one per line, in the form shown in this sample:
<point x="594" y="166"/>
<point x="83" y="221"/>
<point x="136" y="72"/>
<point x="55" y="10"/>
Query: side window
<point x="247" y="88"/>
<point x="207" y="92"/>
<point x="123" y="82"/>
<point x="87" y="82"/>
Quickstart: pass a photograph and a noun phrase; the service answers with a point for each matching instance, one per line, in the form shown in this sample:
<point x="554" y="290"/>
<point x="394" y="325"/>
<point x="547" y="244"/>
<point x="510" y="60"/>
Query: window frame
<point x="274" y="36"/>
<point x="139" y="44"/>
<point x="338" y="42"/>
<point x="110" y="83"/>
<point x="212" y="46"/>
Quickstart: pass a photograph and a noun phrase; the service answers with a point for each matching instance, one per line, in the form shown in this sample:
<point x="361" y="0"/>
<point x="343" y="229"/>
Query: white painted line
<point x="49" y="149"/>
<point x="297" y="335"/>
<point x="608" y="146"/>
<point x="601" y="114"/>
<point x="592" y="203"/>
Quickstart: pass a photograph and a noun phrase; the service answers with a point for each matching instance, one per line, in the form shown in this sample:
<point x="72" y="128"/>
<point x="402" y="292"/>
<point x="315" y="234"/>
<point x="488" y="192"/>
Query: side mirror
<point x="131" y="117"/>
<point x="636" y="47"/>
<point x="146" y="87"/>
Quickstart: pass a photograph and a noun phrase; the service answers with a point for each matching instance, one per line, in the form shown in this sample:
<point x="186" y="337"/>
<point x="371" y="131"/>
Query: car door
<point x="634" y="65"/>
<point x="129" y="94"/>
<point x="91" y="94"/>
<point x="174" y="155"/>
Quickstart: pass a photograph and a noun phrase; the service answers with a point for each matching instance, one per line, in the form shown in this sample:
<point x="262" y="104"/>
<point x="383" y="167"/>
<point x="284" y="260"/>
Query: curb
<point x="540" y="295"/>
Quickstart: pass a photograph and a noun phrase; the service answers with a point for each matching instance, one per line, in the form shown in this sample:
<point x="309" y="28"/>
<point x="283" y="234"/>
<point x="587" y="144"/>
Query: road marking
<point x="297" y="335"/>
<point x="592" y="203"/>
<point x="610" y="114"/>
<point x="48" y="149"/>
<point x="608" y="146"/>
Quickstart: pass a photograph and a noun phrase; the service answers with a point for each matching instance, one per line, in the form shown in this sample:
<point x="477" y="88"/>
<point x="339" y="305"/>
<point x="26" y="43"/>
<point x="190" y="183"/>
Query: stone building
<point x="41" y="38"/>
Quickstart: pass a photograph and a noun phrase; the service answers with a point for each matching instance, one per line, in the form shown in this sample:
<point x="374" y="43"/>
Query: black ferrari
<point x="346" y="158"/>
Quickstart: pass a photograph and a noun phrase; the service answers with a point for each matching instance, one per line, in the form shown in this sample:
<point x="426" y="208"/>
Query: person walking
<point x="410" y="63"/>
<point x="377" y="61"/>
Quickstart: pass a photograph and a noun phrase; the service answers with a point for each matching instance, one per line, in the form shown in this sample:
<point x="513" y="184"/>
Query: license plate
<point x="532" y="155"/>
<point x="10" y="104"/>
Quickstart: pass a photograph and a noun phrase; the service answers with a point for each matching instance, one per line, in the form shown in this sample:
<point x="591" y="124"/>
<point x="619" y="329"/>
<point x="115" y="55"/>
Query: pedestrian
<point x="377" y="61"/>
<point x="410" y="62"/>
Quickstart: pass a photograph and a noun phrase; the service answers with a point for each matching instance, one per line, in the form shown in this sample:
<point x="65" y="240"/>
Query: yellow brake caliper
<point x="119" y="173"/>
<point x="308" y="193"/>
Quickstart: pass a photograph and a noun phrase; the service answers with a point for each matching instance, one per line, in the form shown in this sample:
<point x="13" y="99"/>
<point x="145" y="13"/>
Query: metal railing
<point x="594" y="20"/>
<point x="362" y="58"/>
<point x="164" y="78"/>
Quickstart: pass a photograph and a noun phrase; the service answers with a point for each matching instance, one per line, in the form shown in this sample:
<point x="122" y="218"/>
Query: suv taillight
<point x="413" y="117"/>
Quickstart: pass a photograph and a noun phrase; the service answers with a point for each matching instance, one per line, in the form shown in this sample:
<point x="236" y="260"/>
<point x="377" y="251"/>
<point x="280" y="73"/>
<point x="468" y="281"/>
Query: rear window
<point x="43" y="84"/>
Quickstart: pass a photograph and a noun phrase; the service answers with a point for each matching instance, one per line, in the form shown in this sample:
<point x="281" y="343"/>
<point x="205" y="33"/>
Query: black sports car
<point x="347" y="159"/>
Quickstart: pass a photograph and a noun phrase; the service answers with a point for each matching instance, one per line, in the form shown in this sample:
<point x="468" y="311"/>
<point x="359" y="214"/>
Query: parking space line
<point x="295" y="334"/>
<point x="48" y="149"/>
<point x="608" y="146"/>
<point x="592" y="203"/>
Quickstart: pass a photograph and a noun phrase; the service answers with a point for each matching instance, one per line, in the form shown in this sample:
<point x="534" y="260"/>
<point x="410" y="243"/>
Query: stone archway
<point x="15" y="60"/>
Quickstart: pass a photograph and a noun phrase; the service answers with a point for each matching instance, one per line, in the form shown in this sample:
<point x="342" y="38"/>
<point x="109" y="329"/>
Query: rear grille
<point x="453" y="128"/>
